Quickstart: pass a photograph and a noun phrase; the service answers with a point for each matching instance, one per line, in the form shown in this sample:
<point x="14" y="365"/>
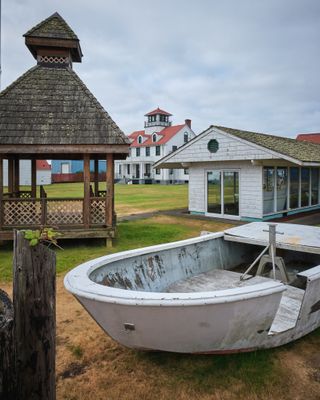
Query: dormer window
<point x="140" y="139"/>
<point x="154" y="137"/>
<point x="186" y="137"/>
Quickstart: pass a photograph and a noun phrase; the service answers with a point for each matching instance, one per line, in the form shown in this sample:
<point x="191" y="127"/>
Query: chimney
<point x="188" y="122"/>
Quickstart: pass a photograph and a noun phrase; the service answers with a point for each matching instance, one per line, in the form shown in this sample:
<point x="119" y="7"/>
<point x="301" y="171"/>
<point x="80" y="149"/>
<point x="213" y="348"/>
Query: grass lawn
<point x="92" y="365"/>
<point x="130" y="235"/>
<point x="131" y="199"/>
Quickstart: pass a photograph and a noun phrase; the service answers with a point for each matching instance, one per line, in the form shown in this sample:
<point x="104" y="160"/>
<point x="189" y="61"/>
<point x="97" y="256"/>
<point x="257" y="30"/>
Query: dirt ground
<point x="91" y="365"/>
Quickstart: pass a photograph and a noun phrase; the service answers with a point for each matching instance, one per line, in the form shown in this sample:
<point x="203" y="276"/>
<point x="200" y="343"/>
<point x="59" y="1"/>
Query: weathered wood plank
<point x="1" y="192"/>
<point x="110" y="190"/>
<point x="55" y="150"/>
<point x="86" y="182"/>
<point x="34" y="322"/>
<point x="33" y="178"/>
<point x="7" y="349"/>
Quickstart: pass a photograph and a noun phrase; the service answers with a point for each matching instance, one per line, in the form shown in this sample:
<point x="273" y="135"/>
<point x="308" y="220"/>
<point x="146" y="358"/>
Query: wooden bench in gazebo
<point x="48" y="113"/>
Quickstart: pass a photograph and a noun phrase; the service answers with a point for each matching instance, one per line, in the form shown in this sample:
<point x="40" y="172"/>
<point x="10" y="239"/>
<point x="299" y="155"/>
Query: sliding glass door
<point x="223" y="192"/>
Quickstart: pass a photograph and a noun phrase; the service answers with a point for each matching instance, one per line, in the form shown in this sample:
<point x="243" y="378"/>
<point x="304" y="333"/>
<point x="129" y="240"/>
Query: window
<point x="147" y="151"/>
<point x="157" y="171"/>
<point x="268" y="190"/>
<point x="213" y="146"/>
<point x="157" y="150"/>
<point x="154" y="137"/>
<point x="119" y="169"/>
<point x="294" y="187"/>
<point x="148" y="171"/>
<point x="186" y="171"/>
<point x="305" y="186"/>
<point x="170" y="171"/>
<point x="128" y="169"/>
<point x="65" y="168"/>
<point x="140" y="139"/>
<point x="314" y="186"/>
<point x="185" y="138"/>
<point x="174" y="148"/>
<point x="282" y="188"/>
<point x="138" y="152"/>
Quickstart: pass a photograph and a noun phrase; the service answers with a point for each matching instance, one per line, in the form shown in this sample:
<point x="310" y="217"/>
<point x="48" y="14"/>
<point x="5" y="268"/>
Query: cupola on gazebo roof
<point x="49" y="104"/>
<point x="49" y="113"/>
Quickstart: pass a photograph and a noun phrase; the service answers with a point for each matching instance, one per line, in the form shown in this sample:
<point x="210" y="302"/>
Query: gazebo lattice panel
<point x="97" y="211"/>
<point x="18" y="213"/>
<point x="64" y="212"/>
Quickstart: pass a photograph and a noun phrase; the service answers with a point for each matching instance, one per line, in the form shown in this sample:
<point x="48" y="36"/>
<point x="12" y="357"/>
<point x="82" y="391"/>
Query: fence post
<point x="7" y="349"/>
<point x="34" y="319"/>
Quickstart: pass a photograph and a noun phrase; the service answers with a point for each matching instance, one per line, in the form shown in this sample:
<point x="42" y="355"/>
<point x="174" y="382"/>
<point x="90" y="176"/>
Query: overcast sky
<point x="248" y="64"/>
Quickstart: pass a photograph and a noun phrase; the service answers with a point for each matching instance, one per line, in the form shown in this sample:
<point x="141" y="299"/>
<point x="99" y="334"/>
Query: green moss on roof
<point x="299" y="150"/>
<point x="53" y="106"/>
<point x="54" y="27"/>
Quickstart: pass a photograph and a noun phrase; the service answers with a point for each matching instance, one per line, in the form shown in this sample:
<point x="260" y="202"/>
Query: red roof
<point x="309" y="137"/>
<point x="43" y="165"/>
<point x="166" y="134"/>
<point x="157" y="111"/>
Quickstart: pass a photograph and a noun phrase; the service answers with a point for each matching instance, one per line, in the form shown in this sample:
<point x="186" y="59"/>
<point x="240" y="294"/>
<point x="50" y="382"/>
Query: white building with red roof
<point x="158" y="139"/>
<point x="43" y="172"/>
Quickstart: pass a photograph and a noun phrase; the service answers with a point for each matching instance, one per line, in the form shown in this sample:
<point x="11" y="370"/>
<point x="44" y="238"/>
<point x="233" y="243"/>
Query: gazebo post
<point x="33" y="178"/>
<point x="10" y="175"/>
<point x="109" y="193"/>
<point x="1" y="191"/>
<point x="86" y="182"/>
<point x="16" y="177"/>
<point x="96" y="178"/>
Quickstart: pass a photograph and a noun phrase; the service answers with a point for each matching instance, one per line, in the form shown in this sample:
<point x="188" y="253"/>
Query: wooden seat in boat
<point x="217" y="279"/>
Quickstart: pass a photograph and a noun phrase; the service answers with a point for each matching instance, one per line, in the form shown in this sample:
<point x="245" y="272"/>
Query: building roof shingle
<point x="300" y="150"/>
<point x="165" y="135"/>
<point x="54" y="27"/>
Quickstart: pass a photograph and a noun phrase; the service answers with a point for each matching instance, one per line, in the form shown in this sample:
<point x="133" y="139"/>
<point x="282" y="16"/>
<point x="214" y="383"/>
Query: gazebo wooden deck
<point x="48" y="113"/>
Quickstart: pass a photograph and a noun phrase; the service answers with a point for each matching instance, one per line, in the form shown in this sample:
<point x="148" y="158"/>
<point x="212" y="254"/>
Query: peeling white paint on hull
<point x="183" y="297"/>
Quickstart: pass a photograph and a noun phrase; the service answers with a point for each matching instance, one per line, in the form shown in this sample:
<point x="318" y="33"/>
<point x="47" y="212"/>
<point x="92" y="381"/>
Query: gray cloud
<point x="244" y="64"/>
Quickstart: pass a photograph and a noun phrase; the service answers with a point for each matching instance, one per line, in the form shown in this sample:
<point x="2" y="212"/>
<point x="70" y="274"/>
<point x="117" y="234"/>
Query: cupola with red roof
<point x="157" y="120"/>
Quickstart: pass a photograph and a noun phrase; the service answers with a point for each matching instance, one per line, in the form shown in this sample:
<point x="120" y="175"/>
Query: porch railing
<point x="24" y="212"/>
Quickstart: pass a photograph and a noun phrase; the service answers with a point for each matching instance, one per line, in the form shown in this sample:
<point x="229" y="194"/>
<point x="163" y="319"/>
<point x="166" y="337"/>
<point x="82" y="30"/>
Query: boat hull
<point x="126" y="295"/>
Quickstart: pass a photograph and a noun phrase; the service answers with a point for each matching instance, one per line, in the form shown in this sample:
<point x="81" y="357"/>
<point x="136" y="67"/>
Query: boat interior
<point x="212" y="265"/>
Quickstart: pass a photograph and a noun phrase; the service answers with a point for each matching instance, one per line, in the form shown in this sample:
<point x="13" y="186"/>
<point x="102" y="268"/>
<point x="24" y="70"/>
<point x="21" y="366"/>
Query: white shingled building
<point x="249" y="176"/>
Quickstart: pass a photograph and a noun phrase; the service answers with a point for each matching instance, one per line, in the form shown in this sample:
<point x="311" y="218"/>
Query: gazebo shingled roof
<point x="49" y="113"/>
<point x="50" y="104"/>
<point x="53" y="106"/>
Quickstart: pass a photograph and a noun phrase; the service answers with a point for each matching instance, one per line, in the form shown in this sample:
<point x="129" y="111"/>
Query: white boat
<point x="192" y="296"/>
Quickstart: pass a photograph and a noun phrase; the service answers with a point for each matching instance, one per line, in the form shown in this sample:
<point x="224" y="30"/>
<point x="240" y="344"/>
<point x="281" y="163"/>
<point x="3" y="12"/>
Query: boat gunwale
<point x="78" y="282"/>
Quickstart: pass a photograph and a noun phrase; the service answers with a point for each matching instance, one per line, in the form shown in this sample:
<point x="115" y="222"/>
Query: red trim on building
<point x="158" y="111"/>
<point x="309" y="137"/>
<point x="166" y="134"/>
<point x="43" y="165"/>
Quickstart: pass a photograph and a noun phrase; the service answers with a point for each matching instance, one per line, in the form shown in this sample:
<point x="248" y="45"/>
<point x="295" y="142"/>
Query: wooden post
<point x="16" y="178"/>
<point x="86" y="182"/>
<point x="109" y="190"/>
<point x="7" y="349"/>
<point x="33" y="178"/>
<point x="34" y="319"/>
<point x="1" y="192"/>
<point x="10" y="175"/>
<point x="96" y="178"/>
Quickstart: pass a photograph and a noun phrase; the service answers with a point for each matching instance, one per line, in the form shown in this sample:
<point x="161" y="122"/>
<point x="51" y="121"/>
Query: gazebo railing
<point x="60" y="212"/>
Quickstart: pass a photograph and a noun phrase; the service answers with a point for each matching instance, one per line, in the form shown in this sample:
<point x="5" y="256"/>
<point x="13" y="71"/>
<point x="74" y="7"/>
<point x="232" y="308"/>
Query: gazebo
<point x="48" y="113"/>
